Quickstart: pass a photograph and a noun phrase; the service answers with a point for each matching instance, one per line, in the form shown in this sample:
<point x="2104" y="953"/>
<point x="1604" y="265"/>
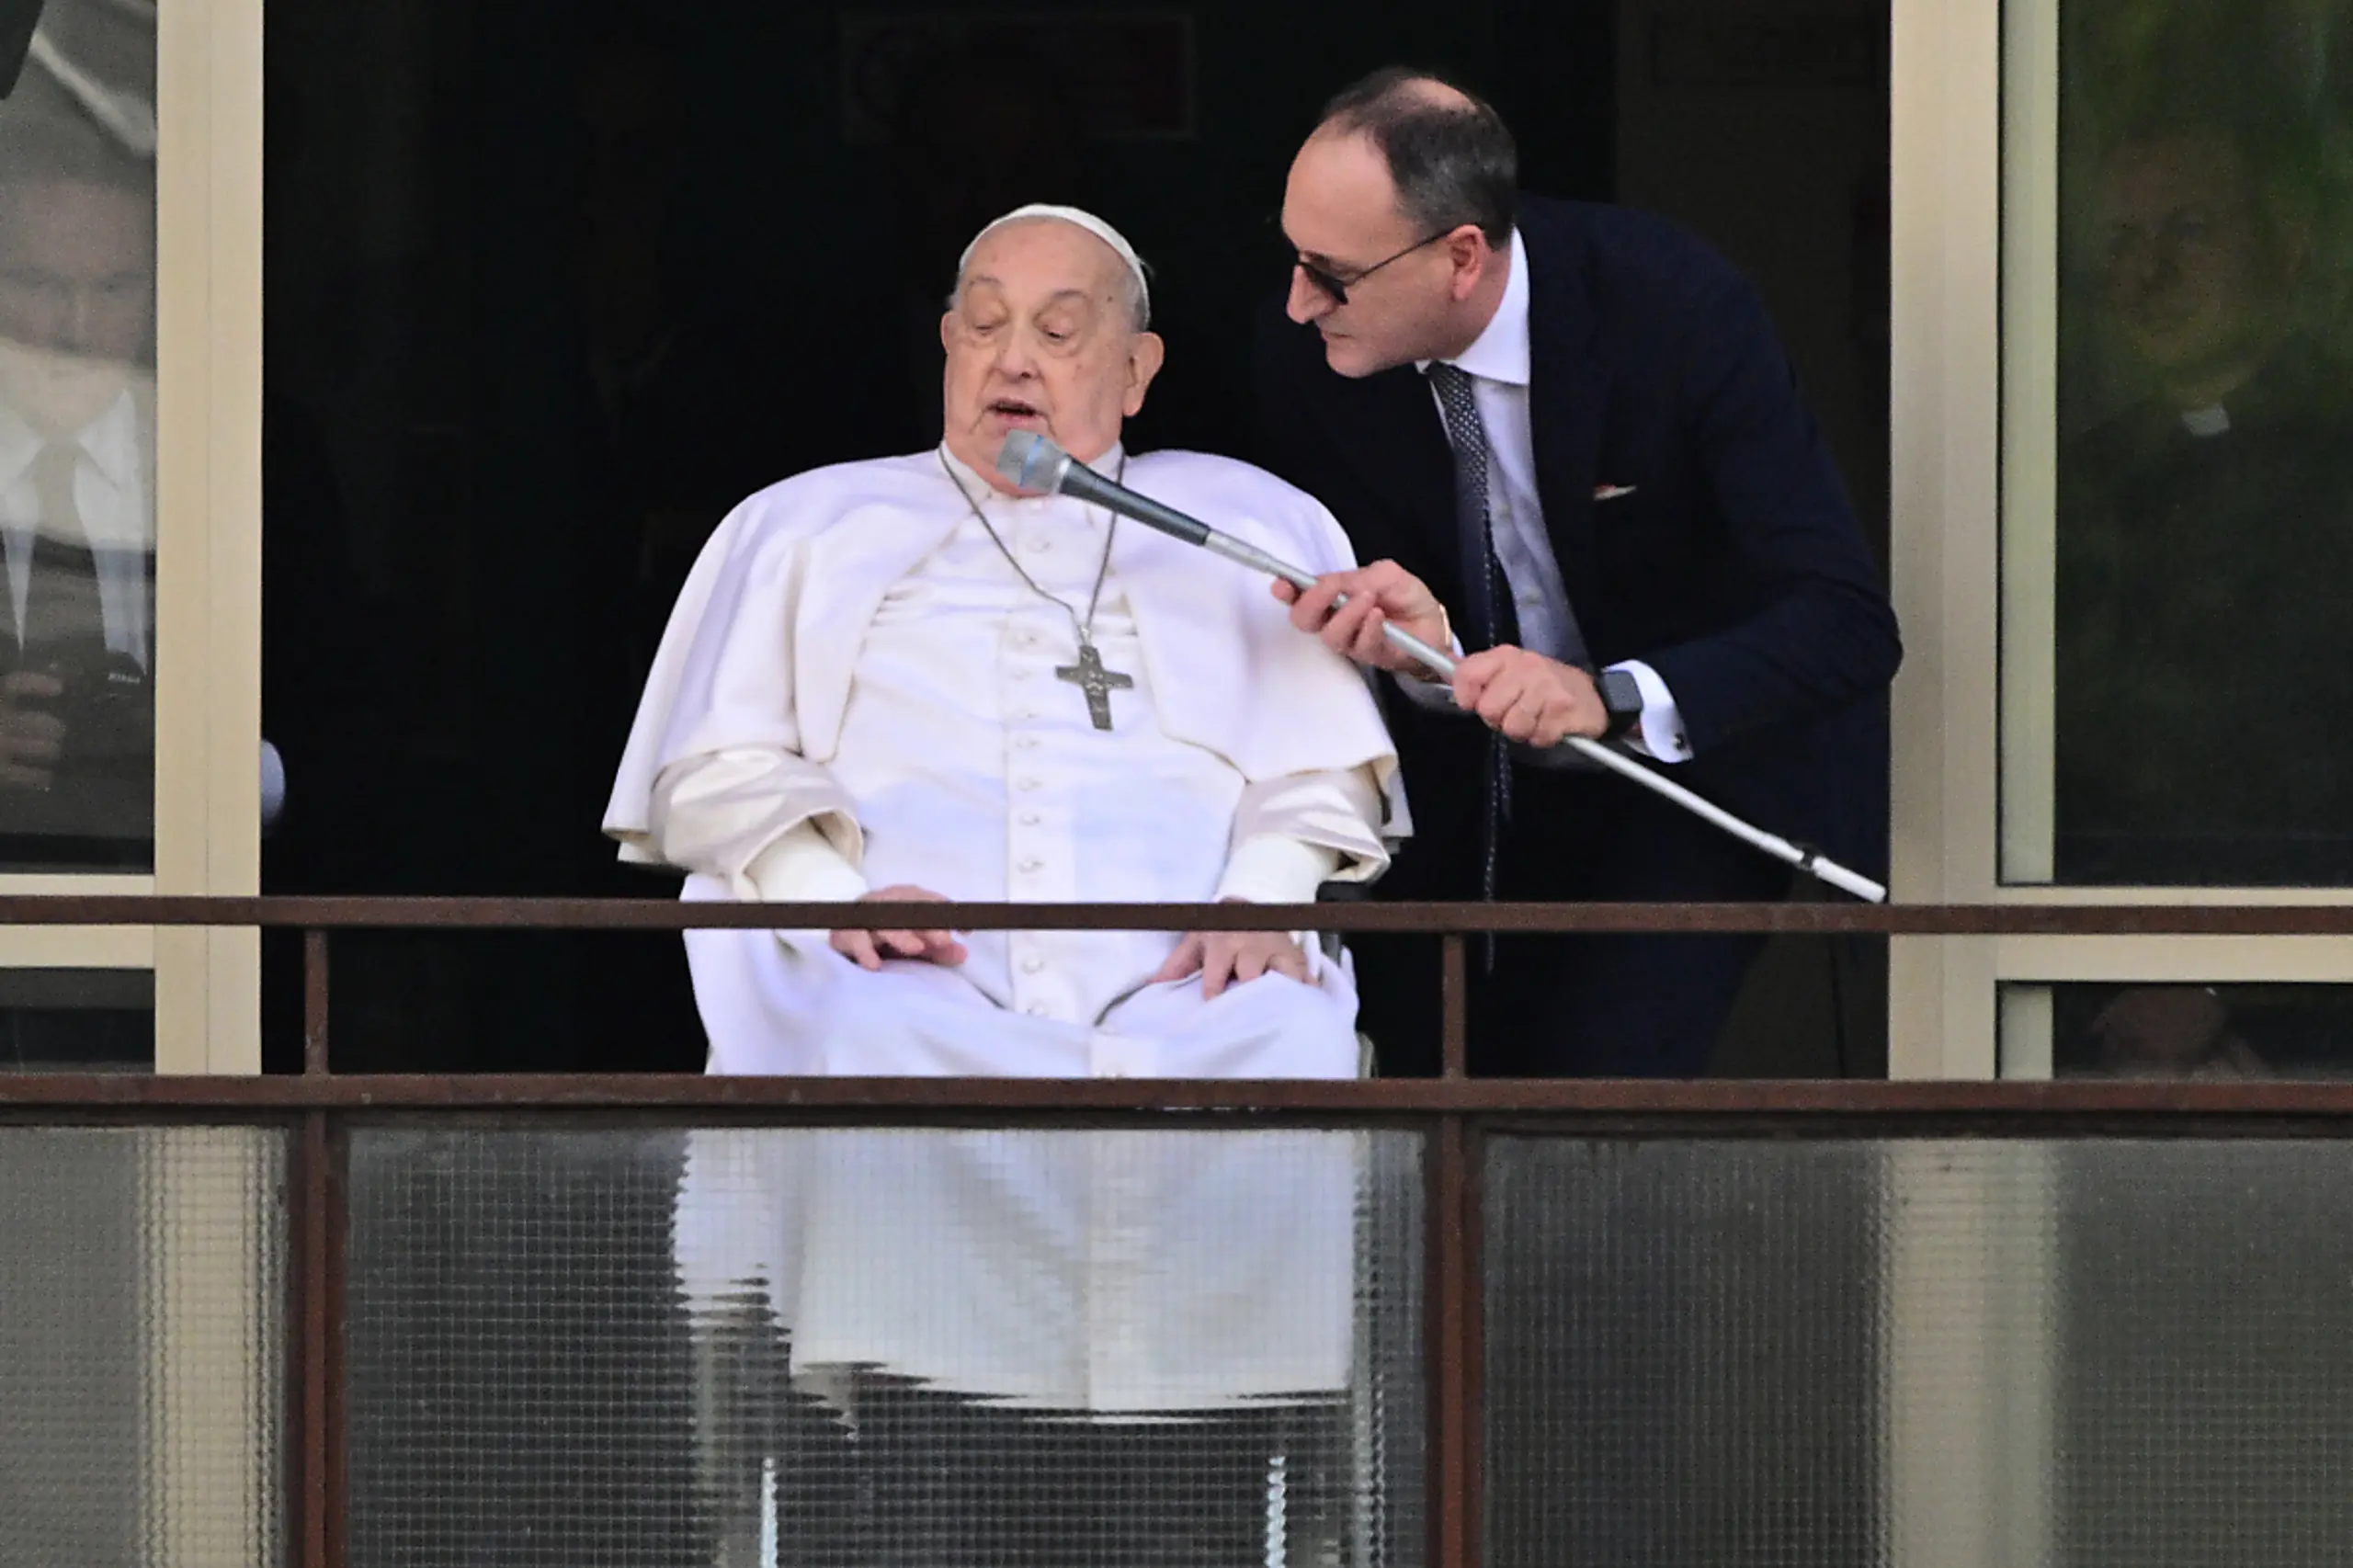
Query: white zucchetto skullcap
<point x="1082" y="219"/>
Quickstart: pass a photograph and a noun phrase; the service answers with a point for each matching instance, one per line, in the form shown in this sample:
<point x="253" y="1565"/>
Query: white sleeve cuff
<point x="1660" y="734"/>
<point x="803" y="866"/>
<point x="1269" y="867"/>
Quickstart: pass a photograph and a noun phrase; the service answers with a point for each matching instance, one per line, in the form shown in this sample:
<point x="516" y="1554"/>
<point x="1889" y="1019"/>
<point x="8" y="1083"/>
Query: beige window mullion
<point x="1968" y="1465"/>
<point x="1945" y="384"/>
<point x="208" y="319"/>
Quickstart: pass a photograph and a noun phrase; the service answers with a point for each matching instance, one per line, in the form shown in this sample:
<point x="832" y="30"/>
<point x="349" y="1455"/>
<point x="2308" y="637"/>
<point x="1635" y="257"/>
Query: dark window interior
<point x="551" y="286"/>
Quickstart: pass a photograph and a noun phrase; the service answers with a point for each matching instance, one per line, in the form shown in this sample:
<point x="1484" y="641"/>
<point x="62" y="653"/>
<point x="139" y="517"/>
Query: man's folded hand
<point x="1233" y="958"/>
<point x="30" y="736"/>
<point x="1530" y="698"/>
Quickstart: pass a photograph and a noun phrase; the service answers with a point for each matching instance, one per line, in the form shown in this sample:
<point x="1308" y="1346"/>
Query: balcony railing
<point x="1488" y="1156"/>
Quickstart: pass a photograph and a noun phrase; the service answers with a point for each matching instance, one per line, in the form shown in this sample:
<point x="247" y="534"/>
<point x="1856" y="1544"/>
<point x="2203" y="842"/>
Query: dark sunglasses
<point x="1336" y="289"/>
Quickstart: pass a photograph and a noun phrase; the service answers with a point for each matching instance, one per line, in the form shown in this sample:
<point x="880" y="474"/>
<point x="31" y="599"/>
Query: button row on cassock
<point x="1026" y="653"/>
<point x="1020" y="673"/>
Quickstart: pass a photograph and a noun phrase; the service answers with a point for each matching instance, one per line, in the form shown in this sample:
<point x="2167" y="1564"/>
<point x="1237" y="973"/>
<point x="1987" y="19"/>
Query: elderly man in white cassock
<point x="901" y="679"/>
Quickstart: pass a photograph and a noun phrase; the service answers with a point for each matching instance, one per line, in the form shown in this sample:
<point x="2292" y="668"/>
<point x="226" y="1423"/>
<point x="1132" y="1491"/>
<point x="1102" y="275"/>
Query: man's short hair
<point x="1453" y="159"/>
<point x="2281" y="156"/>
<point x="45" y="139"/>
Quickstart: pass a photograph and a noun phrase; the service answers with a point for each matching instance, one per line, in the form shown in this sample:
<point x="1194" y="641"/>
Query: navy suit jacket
<point x="1735" y="567"/>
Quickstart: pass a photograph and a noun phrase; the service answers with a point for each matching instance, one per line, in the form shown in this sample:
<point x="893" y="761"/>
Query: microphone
<point x="1032" y="462"/>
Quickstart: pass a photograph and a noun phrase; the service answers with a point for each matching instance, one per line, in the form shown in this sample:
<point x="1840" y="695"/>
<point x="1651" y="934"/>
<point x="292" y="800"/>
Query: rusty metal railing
<point x="1454" y="1111"/>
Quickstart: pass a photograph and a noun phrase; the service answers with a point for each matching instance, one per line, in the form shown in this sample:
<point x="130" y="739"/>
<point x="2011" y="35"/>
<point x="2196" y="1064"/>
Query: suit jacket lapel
<point x="1568" y="402"/>
<point x="1389" y="426"/>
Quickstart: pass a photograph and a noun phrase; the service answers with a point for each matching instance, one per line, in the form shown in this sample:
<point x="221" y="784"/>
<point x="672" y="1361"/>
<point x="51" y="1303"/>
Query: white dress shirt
<point x="110" y="492"/>
<point x="1497" y="364"/>
<point x="118" y="518"/>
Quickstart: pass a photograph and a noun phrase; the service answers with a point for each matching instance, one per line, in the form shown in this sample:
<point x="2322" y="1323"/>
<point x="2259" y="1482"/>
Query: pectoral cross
<point x="1089" y="676"/>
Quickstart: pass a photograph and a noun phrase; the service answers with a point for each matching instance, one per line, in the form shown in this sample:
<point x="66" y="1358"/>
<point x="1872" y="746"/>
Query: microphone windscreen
<point x="1030" y="462"/>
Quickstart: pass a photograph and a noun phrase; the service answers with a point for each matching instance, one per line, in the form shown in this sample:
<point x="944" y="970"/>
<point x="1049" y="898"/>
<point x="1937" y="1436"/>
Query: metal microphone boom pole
<point x="1035" y="463"/>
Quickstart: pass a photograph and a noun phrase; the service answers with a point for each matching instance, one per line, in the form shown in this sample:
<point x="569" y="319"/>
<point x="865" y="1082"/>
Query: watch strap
<point x="1621" y="698"/>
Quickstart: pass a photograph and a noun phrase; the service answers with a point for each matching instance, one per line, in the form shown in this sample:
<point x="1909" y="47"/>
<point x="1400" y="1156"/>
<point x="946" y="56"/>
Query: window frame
<point x="208" y="549"/>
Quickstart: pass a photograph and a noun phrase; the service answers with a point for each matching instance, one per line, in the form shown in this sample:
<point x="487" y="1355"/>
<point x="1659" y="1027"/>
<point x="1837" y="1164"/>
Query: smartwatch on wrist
<point x="1621" y="698"/>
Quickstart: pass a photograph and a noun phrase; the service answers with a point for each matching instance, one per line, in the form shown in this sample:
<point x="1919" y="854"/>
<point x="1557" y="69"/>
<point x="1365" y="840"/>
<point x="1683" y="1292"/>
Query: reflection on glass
<point x="2218" y="1032"/>
<point x="77" y="285"/>
<point x="77" y="1020"/>
<point x="2205" y="520"/>
<point x="1083" y="1347"/>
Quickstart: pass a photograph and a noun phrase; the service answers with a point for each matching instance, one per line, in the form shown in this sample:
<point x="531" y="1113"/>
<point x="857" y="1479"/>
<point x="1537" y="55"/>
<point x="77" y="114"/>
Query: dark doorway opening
<point x="550" y="286"/>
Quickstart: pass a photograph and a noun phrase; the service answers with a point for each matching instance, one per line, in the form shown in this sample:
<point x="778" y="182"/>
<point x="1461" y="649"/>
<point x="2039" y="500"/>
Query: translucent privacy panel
<point x="1680" y="1353"/>
<point x="143" y="1345"/>
<point x="2024" y="1354"/>
<point x="2203" y="1416"/>
<point x="927" y="1346"/>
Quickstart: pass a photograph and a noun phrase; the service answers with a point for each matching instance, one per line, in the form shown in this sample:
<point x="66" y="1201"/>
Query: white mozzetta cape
<point x="758" y="657"/>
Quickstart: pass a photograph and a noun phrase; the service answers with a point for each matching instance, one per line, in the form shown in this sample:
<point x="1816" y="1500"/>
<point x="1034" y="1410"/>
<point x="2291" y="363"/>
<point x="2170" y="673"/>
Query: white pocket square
<point x="1611" y="491"/>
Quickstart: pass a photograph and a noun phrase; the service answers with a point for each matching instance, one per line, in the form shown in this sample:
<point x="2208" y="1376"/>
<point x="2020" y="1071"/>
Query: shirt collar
<point x="1500" y="353"/>
<point x="110" y="442"/>
<point x="19" y="444"/>
<point x="977" y="487"/>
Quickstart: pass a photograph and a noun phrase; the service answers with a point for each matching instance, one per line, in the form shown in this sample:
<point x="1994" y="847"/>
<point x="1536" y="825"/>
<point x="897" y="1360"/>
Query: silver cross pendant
<point x="1090" y="676"/>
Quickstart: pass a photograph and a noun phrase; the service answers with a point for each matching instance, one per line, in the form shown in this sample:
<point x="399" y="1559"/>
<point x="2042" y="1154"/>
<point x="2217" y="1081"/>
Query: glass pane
<point x="78" y="444"/>
<point x="1680" y="1362"/>
<point x="2204" y="1406"/>
<point x="2219" y="1031"/>
<point x="77" y="1020"/>
<point x="142" y="1324"/>
<point x="918" y="1346"/>
<point x="2204" y="530"/>
<point x="1984" y="1351"/>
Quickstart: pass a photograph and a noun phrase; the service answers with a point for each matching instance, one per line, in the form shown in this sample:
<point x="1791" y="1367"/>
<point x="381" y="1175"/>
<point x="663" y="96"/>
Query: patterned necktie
<point x="1487" y="597"/>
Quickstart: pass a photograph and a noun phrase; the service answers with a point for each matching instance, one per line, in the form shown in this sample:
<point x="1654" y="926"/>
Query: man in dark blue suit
<point x="1566" y="438"/>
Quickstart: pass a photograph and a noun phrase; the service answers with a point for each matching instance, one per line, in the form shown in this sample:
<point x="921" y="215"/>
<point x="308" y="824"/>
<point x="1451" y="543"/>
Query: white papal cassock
<point x="1107" y="1272"/>
<point x="856" y="690"/>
